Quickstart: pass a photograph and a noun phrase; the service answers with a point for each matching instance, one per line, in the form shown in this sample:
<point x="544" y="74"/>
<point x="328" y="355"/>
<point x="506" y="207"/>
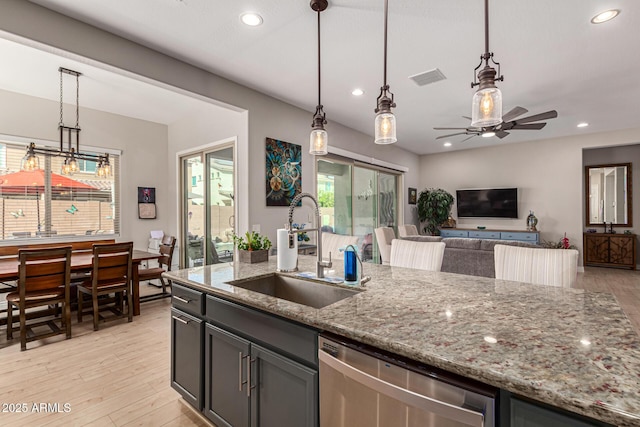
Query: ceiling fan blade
<point x="515" y="112"/>
<point x="501" y="133"/>
<point x="537" y="117"/>
<point x="466" y="139"/>
<point x="530" y="126"/>
<point x="449" y="128"/>
<point x="452" y="134"/>
<point x="468" y="118"/>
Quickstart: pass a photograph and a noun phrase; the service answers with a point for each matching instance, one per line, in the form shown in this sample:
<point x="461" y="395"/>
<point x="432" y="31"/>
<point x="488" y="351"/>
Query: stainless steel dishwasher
<point x="361" y="386"/>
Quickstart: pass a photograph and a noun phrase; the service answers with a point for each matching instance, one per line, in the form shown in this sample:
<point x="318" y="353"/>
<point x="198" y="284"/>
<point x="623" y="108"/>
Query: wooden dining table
<point x="82" y="261"/>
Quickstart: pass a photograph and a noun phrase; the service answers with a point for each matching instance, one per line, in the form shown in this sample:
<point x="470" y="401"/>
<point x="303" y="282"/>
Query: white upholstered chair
<point x="554" y="267"/>
<point x="384" y="236"/>
<point x="420" y="255"/>
<point x="333" y="242"/>
<point x="407" y="230"/>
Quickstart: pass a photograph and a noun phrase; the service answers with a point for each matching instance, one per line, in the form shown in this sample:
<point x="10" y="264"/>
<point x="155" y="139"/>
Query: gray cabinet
<point x="529" y="414"/>
<point x="186" y="356"/>
<point x="285" y="391"/>
<point x="227" y="392"/>
<point x="260" y="370"/>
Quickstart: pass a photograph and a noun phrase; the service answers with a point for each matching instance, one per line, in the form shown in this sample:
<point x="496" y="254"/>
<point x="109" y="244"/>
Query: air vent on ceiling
<point x="428" y="77"/>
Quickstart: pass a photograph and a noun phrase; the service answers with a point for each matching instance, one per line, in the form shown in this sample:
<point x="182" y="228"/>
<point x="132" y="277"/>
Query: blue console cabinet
<point x="521" y="236"/>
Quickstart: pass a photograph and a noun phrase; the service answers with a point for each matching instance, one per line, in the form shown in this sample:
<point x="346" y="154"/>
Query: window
<point x="44" y="203"/>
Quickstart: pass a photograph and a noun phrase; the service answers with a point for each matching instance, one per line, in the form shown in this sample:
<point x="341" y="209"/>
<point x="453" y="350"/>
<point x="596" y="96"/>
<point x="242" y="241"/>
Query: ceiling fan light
<point x="488" y="134"/>
<point x="486" y="107"/>
<point x="385" y="128"/>
<point x="318" y="142"/>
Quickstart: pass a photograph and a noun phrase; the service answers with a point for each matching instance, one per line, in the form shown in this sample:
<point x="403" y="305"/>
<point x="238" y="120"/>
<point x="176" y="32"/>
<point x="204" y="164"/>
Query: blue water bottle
<point x="350" y="265"/>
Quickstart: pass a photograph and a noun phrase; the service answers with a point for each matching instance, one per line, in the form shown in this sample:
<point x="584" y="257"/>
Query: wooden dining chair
<point x="111" y="274"/>
<point x="43" y="281"/>
<point x="164" y="263"/>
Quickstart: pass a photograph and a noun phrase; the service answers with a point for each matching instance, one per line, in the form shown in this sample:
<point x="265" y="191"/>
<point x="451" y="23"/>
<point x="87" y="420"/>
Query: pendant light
<point x="486" y="106"/>
<point x="385" y="124"/>
<point x="71" y="154"/>
<point x="319" y="139"/>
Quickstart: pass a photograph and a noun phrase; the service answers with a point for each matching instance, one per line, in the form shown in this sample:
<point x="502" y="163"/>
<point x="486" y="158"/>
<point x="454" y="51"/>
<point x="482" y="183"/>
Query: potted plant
<point x="434" y="205"/>
<point x="253" y="247"/>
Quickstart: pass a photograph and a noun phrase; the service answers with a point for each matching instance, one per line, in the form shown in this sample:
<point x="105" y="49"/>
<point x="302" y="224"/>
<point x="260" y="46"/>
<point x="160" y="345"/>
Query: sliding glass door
<point x="356" y="198"/>
<point x="208" y="206"/>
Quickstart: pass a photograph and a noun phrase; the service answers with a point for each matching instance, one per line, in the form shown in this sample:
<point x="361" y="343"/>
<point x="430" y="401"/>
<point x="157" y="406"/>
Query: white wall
<point x="203" y="128"/>
<point x="548" y="174"/>
<point x="267" y="117"/>
<point x="143" y="145"/>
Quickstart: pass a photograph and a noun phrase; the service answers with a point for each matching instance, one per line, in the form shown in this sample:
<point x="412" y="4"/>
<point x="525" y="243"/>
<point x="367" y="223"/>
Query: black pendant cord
<point x="386" y="14"/>
<point x="319" y="68"/>
<point x="486" y="31"/>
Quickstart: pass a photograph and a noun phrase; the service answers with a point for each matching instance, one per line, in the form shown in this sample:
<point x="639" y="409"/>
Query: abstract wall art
<point x="283" y="172"/>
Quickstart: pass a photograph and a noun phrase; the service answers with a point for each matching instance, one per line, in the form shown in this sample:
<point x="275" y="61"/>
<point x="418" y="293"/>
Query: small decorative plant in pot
<point x="253" y="247"/>
<point x="434" y="205"/>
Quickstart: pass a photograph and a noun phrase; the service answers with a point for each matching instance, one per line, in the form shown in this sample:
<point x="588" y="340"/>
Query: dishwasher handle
<point x="403" y="395"/>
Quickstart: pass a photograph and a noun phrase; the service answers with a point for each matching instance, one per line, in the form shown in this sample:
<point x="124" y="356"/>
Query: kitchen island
<point x="567" y="348"/>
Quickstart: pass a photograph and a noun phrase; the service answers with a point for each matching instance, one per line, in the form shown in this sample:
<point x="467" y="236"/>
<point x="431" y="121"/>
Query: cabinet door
<point x="621" y="250"/>
<point x="186" y="356"/>
<point x="226" y="395"/>
<point x="596" y="249"/>
<point x="524" y="414"/>
<point x="285" y="392"/>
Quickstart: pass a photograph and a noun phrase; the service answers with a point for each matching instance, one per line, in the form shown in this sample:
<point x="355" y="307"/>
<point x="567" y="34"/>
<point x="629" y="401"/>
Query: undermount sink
<point x="300" y="291"/>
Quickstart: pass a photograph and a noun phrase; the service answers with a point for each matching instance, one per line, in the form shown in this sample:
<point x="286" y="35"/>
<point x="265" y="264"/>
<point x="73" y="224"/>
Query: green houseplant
<point x="253" y="247"/>
<point x="434" y="205"/>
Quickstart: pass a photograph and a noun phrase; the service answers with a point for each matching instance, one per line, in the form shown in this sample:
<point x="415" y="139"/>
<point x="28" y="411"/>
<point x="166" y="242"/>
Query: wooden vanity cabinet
<point x="610" y="250"/>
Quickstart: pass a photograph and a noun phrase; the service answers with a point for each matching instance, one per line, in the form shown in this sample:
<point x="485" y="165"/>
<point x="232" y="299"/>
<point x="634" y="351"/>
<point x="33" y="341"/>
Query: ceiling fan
<point x="508" y="123"/>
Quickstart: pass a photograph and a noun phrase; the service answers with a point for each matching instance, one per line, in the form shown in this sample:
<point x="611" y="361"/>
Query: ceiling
<point x="552" y="57"/>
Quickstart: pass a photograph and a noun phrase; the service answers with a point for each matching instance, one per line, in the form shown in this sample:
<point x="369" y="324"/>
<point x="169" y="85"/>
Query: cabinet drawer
<point x="454" y="233"/>
<point x="485" y="234"/>
<point x="273" y="332"/>
<point x="526" y="237"/>
<point x="187" y="299"/>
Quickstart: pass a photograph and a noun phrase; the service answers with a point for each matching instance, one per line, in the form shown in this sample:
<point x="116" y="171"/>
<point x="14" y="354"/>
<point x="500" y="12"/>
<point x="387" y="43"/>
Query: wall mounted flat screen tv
<point x="487" y="203"/>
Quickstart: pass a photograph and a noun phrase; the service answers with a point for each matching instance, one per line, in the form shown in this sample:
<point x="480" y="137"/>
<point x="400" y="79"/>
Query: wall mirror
<point x="608" y="194"/>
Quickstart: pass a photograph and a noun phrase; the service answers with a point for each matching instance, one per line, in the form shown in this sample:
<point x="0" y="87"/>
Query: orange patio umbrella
<point x="32" y="182"/>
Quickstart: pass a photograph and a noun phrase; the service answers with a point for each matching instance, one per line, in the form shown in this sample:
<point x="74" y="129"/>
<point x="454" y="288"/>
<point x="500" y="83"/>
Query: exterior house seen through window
<point x="45" y="203"/>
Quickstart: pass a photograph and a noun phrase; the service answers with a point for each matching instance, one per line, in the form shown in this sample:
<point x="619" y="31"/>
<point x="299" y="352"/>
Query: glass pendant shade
<point x="318" y="142"/>
<point x="486" y="108"/>
<point x="385" y="132"/>
<point x="30" y="162"/>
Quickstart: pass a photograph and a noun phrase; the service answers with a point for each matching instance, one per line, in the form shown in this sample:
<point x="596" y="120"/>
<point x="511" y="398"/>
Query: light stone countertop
<point x="569" y="348"/>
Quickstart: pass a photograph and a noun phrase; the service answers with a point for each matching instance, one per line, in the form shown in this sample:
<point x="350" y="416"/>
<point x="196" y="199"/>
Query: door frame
<point x="202" y="150"/>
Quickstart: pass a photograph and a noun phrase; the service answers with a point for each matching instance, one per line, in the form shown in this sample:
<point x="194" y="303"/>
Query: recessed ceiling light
<point x="583" y="125"/>
<point x="585" y="342"/>
<point x="447" y="144"/>
<point x="605" y="16"/>
<point x="488" y="134"/>
<point x="490" y="339"/>
<point x="251" y="19"/>
<point x="357" y="92"/>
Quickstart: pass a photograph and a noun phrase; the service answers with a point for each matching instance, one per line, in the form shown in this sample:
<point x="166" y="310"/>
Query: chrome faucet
<point x="320" y="264"/>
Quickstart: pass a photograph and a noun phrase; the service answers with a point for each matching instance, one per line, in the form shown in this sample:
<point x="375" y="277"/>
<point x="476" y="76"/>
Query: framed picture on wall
<point x="146" y="202"/>
<point x="413" y="196"/>
<point x="283" y="167"/>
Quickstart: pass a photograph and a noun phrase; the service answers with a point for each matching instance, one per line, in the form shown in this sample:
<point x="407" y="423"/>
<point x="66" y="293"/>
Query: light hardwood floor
<point x="119" y="376"/>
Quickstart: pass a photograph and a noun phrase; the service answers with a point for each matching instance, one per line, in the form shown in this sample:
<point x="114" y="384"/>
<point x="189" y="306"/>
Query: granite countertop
<point x="569" y="348"/>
